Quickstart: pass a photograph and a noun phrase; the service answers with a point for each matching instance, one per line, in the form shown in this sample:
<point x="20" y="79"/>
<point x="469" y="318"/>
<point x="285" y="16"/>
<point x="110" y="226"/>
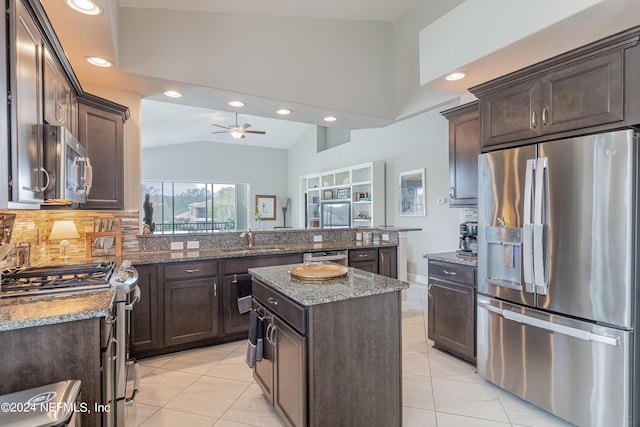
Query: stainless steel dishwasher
<point x="338" y="257"/>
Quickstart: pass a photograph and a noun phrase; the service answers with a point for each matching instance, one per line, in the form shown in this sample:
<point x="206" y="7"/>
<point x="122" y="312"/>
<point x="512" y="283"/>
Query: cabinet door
<point x="233" y="321"/>
<point x="388" y="262"/>
<point x="464" y="148"/>
<point x="452" y="314"/>
<point x="511" y="114"/>
<point x="101" y="133"/>
<point x="190" y="310"/>
<point x="290" y="388"/>
<point x="50" y="92"/>
<point x="587" y="94"/>
<point x="26" y="103"/>
<point x="263" y="371"/>
<point x="145" y="333"/>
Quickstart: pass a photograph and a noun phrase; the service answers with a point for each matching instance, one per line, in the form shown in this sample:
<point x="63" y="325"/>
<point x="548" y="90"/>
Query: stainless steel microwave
<point x="68" y="168"/>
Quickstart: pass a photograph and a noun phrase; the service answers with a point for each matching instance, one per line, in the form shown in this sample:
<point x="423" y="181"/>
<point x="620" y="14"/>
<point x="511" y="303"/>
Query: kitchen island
<point x="333" y="353"/>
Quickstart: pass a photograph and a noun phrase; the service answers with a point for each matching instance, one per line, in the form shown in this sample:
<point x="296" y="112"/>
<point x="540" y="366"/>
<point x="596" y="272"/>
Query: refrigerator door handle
<point x="527" y="228"/>
<point x="561" y="329"/>
<point x="539" y="273"/>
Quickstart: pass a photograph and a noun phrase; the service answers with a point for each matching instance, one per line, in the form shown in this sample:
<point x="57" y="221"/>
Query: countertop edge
<point x="452" y="257"/>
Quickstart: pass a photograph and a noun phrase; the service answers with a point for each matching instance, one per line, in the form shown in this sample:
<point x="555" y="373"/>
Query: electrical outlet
<point x="177" y="246"/>
<point x="193" y="244"/>
<point x="385" y="237"/>
<point x="441" y="200"/>
<point x="317" y="238"/>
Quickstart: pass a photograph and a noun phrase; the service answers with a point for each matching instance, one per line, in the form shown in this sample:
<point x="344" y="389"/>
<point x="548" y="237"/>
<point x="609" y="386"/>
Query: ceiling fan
<point x="237" y="131"/>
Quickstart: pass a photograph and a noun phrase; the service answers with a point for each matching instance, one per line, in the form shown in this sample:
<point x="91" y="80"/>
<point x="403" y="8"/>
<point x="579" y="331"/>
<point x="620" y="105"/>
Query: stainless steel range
<point x="122" y="279"/>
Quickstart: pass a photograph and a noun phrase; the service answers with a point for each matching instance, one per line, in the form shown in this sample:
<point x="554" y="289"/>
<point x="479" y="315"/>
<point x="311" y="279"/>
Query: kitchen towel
<point x="243" y="287"/>
<point x="255" y="330"/>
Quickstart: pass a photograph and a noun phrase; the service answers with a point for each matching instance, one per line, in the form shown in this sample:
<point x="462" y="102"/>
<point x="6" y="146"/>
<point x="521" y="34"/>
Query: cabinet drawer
<point x="289" y="311"/>
<point x="188" y="270"/>
<point x="453" y="272"/>
<point x="363" y="254"/>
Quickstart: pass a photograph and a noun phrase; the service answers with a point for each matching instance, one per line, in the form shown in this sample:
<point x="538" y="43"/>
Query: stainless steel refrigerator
<point x="557" y="276"/>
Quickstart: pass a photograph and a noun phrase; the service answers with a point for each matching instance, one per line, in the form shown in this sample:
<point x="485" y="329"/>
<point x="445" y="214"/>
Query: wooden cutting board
<point x="318" y="271"/>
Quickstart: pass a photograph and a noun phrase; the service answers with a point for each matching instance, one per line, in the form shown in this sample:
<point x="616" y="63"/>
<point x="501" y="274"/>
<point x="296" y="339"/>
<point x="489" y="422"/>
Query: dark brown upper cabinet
<point x="464" y="148"/>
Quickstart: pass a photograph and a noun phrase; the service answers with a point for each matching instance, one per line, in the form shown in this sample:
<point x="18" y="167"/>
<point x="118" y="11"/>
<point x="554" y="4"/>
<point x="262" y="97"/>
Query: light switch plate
<point x="193" y="244"/>
<point x="317" y="238"/>
<point x="385" y="237"/>
<point x="177" y="246"/>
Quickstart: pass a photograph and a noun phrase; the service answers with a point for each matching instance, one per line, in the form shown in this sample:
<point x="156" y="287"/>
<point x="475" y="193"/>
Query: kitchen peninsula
<point x="319" y="330"/>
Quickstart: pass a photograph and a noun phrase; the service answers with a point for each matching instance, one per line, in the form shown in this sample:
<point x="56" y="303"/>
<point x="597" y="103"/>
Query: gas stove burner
<point x="57" y="278"/>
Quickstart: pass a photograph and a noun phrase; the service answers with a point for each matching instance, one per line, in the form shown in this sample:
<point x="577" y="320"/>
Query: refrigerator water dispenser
<point x="504" y="256"/>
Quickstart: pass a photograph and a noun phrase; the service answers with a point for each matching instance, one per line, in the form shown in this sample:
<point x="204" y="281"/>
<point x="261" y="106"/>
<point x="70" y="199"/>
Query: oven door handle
<point x="135" y="300"/>
<point x="136" y="384"/>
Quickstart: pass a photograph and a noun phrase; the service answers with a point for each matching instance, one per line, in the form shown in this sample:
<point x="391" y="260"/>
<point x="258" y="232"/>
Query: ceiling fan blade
<point x="246" y="125"/>
<point x="221" y="131"/>
<point x="259" y="132"/>
<point x="220" y="126"/>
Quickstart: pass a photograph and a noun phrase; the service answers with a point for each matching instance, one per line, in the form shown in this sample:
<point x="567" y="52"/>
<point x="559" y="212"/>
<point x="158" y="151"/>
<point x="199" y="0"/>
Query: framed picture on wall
<point x="266" y="207"/>
<point x="412" y="193"/>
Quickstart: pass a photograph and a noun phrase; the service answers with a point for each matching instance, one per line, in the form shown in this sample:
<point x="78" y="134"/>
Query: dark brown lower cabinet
<point x="145" y="330"/>
<point x="290" y="361"/>
<point x="452" y="309"/>
<point x="234" y="285"/>
<point x="190" y="310"/>
<point x="364" y="259"/>
<point x="388" y="262"/>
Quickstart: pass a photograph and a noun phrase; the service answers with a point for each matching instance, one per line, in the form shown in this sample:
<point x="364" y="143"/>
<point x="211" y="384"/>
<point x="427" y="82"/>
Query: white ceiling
<point x="166" y="121"/>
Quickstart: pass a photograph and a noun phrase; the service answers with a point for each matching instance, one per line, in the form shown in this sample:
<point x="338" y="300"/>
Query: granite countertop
<point x="26" y="312"/>
<point x="140" y="258"/>
<point x="355" y="284"/>
<point x="453" y="258"/>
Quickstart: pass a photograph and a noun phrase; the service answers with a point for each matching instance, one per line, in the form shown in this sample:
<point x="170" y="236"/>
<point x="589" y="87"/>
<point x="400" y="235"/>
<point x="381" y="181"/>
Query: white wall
<point x="418" y="142"/>
<point x="264" y="169"/>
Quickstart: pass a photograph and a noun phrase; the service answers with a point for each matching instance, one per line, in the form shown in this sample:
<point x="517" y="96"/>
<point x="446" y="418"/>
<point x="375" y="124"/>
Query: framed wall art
<point x="266" y="207"/>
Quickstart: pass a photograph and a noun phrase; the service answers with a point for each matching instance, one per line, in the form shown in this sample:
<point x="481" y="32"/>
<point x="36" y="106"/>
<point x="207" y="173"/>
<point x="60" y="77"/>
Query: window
<point x="191" y="207"/>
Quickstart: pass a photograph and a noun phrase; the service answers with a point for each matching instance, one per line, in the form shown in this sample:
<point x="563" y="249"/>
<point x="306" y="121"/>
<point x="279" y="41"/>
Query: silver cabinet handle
<point x="267" y="332"/>
<point x="192" y="270"/>
<point x="48" y="180"/>
<point x="449" y="273"/>
<point x="362" y="255"/>
<point x="381" y="258"/>
<point x="272" y="301"/>
<point x="429" y="289"/>
<point x="272" y="335"/>
<point x="215" y="289"/>
<point x="452" y="193"/>
<point x="534" y="120"/>
<point x="545" y="116"/>
<point x="235" y="279"/>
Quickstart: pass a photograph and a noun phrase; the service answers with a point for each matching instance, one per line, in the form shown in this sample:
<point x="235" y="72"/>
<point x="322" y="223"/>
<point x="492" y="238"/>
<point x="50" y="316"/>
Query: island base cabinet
<point x="342" y="365"/>
<point x="289" y="393"/>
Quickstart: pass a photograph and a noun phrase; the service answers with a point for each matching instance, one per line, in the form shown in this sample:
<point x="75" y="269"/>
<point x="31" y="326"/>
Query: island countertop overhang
<point x="356" y="284"/>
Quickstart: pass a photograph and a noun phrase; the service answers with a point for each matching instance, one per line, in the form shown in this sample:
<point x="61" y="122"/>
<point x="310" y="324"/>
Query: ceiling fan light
<point x="236" y="103"/>
<point x="236" y="133"/>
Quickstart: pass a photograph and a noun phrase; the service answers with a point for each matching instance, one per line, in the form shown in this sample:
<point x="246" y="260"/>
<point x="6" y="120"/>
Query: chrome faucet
<point x="249" y="235"/>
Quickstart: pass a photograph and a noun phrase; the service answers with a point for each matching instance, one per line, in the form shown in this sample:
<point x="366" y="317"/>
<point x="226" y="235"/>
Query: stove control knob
<point x="126" y="264"/>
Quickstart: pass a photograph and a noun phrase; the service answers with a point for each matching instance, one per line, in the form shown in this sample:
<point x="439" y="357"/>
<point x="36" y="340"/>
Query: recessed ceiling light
<point x="283" y="112"/>
<point x="84" y="6"/>
<point x="172" y="93"/>
<point x="236" y="103"/>
<point x="455" y="76"/>
<point x="330" y="119"/>
<point x="99" y="62"/>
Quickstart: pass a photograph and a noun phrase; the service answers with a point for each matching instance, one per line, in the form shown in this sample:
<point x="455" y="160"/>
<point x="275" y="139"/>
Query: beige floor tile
<point x="138" y="413"/>
<point x="415" y="363"/>
<point x="169" y="418"/>
<point x="227" y="423"/>
<point x="524" y="413"/>
<point x="231" y="346"/>
<point x="443" y="365"/>
<point x="451" y="420"/>
<point x="208" y="396"/>
<point x="233" y="367"/>
<point x="468" y="399"/>
<point x="195" y="362"/>
<point x="158" y="361"/>
<point x="162" y="385"/>
<point x="412" y="342"/>
<point x="417" y="392"/>
<point x="252" y="408"/>
<point x="413" y="417"/>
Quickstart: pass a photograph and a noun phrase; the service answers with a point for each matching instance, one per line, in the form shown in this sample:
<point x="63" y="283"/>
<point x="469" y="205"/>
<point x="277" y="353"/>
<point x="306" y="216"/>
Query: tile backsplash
<point x="34" y="227"/>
